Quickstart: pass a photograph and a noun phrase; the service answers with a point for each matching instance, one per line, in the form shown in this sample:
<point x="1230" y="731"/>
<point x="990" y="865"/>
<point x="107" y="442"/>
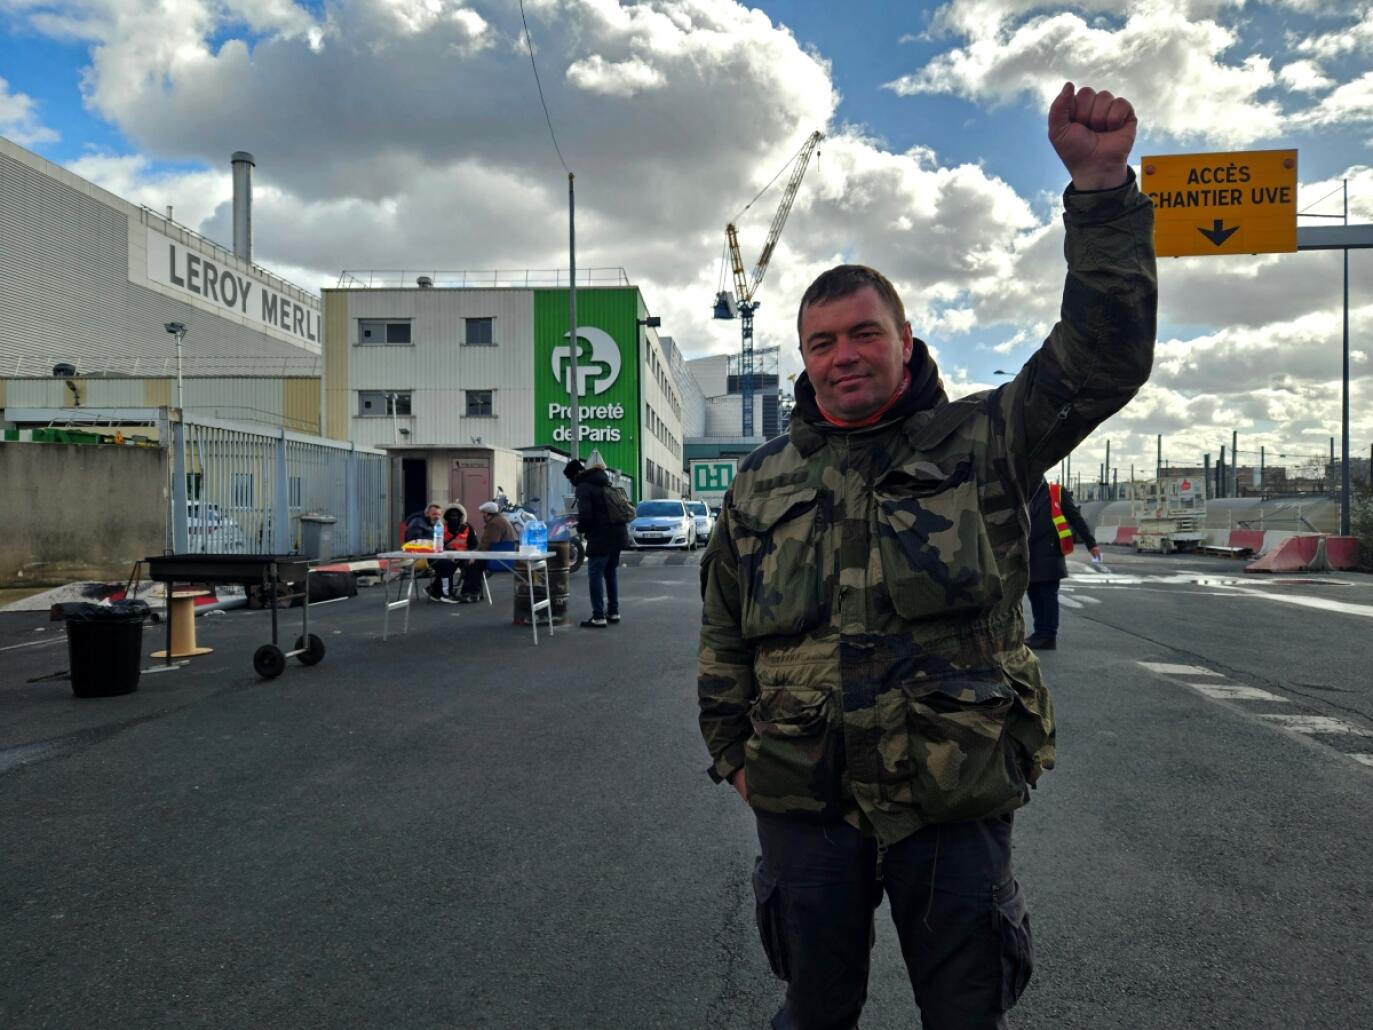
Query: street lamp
<point x="180" y="501"/>
<point x="178" y="329"/>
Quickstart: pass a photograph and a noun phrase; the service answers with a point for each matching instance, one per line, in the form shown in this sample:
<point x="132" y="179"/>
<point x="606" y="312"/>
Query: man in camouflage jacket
<point x="863" y="679"/>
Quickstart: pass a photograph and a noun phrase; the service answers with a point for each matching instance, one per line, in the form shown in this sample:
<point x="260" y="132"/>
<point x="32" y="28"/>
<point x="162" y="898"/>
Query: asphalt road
<point x="455" y="828"/>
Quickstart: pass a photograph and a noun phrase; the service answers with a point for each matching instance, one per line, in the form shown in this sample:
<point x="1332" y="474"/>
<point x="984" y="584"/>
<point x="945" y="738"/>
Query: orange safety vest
<point x="1065" y="534"/>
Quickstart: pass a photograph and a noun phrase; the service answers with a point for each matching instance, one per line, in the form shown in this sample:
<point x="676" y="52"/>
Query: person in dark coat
<point x="605" y="538"/>
<point x="1047" y="562"/>
<point x="420" y="526"/>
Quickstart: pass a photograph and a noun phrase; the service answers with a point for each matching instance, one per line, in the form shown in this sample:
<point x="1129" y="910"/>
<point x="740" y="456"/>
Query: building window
<point x="479" y="403"/>
<point x="383" y="403"/>
<point x="243" y="489"/>
<point x="383" y="332"/>
<point x="479" y="332"/>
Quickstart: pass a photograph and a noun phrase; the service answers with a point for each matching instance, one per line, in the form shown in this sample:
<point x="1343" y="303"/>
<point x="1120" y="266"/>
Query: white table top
<point x="466" y="555"/>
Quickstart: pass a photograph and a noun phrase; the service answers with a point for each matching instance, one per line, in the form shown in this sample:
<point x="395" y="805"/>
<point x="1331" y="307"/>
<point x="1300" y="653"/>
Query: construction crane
<point x="740" y="302"/>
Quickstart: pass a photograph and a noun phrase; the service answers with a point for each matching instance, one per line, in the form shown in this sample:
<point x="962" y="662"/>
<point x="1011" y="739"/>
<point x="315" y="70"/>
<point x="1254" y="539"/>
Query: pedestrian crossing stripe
<point x="1315" y="724"/>
<point x="1227" y="692"/>
<point x="1169" y="669"/>
<point x="1365" y="759"/>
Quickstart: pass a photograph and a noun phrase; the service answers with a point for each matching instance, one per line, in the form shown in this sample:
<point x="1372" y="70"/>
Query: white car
<point x="209" y="531"/>
<point x="705" y="521"/>
<point x="664" y="523"/>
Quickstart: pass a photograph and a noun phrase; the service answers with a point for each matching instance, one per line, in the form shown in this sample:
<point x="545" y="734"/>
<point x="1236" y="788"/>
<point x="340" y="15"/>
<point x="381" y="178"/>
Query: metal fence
<point x="239" y="488"/>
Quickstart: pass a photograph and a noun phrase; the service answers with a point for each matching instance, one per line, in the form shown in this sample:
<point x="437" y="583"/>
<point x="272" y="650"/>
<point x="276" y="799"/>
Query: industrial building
<point x="92" y="283"/>
<point x="722" y="387"/>
<point x="451" y="371"/>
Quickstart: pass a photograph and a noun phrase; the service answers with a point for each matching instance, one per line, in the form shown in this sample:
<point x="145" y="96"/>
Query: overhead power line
<point x="529" y="42"/>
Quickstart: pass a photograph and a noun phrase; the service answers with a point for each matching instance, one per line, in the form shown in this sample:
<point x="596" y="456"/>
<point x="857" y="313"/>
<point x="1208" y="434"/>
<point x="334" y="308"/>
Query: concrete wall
<point x="75" y="512"/>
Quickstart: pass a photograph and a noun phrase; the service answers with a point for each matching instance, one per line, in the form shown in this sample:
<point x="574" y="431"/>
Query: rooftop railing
<point x="390" y="278"/>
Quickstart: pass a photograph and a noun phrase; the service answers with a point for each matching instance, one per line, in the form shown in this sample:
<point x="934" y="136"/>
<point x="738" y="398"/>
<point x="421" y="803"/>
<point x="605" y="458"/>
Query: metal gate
<point x="240" y="489"/>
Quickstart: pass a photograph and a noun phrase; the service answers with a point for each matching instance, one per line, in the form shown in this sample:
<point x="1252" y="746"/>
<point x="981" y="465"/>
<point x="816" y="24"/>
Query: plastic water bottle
<point x="438" y="536"/>
<point x="535" y="538"/>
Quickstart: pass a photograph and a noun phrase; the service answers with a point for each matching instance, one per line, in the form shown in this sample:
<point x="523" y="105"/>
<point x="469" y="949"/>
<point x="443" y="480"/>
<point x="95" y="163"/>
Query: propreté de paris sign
<point x="1235" y="203"/>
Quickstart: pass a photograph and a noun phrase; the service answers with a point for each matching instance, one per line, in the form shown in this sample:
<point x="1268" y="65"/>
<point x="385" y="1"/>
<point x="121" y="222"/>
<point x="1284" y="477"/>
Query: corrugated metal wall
<point x="67" y="292"/>
<point x="334" y="385"/>
<point x="437" y="368"/>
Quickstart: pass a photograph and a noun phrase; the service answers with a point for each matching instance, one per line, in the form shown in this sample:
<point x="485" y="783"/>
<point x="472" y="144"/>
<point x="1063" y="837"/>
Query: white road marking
<point x="1068" y="602"/>
<point x="1233" y="693"/>
<point x="1178" y="670"/>
<point x="1365" y="759"/>
<point x="1089" y="599"/>
<point x="34" y="643"/>
<point x="1315" y="724"/>
<point x="1320" y="603"/>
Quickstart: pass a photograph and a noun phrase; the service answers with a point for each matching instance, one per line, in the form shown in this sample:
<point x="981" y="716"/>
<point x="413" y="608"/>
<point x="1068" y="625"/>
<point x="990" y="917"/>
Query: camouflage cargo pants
<point x="959" y="913"/>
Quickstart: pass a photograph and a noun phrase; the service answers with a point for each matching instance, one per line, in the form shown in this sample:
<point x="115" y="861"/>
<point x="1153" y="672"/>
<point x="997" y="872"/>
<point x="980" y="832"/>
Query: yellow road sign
<point x="1237" y="203"/>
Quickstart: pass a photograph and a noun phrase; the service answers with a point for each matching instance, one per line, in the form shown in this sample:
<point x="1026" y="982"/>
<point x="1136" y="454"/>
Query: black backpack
<point x="618" y="507"/>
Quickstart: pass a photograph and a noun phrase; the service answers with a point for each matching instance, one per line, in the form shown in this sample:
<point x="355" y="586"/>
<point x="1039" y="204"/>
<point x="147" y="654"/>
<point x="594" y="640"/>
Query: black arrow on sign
<point x="1218" y="233"/>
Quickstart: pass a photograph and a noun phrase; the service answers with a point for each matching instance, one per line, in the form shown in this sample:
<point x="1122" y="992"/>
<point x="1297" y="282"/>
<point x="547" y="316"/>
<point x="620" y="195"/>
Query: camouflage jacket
<point x="861" y="651"/>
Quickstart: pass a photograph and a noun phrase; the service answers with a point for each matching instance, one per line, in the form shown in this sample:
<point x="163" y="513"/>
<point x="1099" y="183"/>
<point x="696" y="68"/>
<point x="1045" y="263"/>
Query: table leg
<point x="409" y="596"/>
<point x="533" y="611"/>
<point x="168" y="598"/>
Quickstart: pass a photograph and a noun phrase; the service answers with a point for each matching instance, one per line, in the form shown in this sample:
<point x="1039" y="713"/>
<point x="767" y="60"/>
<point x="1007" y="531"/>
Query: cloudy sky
<point x="408" y="134"/>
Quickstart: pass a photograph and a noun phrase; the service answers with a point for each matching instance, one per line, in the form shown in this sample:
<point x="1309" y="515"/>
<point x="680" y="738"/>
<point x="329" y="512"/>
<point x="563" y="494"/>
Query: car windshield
<point x="698" y="507"/>
<point x="660" y="509"/>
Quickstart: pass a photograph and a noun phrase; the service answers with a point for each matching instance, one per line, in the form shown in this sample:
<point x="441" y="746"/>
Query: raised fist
<point x="1092" y="133"/>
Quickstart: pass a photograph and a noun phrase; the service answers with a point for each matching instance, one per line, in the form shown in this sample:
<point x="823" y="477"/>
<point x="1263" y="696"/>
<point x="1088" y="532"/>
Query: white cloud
<point x="1349" y="103"/>
<point x="1356" y="37"/>
<point x="617" y="79"/>
<point x="1305" y="76"/>
<point x="19" y="119"/>
<point x="1162" y="57"/>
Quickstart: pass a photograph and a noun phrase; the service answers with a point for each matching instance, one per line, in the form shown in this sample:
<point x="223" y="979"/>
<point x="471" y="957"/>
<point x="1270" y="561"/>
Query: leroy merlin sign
<point x="607" y="374"/>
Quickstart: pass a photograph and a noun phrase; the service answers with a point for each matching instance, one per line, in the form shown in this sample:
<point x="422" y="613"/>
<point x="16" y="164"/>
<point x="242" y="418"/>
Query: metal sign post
<point x="1246" y="203"/>
<point x="574" y="340"/>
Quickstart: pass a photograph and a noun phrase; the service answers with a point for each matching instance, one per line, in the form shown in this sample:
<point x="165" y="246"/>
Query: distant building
<point x="720" y="382"/>
<point x="431" y="365"/>
<point x="88" y="283"/>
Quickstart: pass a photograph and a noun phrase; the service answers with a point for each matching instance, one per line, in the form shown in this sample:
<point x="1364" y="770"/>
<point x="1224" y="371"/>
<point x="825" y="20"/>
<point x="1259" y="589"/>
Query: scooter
<point x="560" y="528"/>
<point x="564" y="527"/>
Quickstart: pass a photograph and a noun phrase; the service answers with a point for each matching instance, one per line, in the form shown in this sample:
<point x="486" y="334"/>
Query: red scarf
<point x="876" y="416"/>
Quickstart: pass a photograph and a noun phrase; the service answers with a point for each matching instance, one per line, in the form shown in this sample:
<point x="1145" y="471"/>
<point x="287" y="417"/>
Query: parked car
<point x="209" y="531"/>
<point x="665" y="523"/>
<point x="705" y="521"/>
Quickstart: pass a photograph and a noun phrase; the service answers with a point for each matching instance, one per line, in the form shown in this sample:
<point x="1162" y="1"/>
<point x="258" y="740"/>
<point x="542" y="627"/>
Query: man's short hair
<point x="844" y="281"/>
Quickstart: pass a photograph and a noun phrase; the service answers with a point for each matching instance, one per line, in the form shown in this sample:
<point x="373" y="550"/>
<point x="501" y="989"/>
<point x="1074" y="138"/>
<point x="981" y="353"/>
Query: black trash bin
<point x="105" y="647"/>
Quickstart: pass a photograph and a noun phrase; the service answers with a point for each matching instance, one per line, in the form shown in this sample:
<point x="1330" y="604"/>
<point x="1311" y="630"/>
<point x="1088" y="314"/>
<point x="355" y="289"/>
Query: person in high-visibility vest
<point x="1055" y="526"/>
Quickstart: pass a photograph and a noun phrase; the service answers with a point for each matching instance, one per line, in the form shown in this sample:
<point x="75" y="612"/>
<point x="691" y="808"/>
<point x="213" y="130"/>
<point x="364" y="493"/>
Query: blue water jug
<point x="534" y="539"/>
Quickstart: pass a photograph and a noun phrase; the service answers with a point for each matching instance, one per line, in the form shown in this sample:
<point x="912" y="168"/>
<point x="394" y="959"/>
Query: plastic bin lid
<point x="116" y="611"/>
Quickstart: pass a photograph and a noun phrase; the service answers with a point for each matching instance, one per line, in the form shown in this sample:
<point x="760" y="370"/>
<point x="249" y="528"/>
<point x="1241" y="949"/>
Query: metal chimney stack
<point x="243" y="203"/>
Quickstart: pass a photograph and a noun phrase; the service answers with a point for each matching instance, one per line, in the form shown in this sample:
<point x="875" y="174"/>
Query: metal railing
<point x="228" y="366"/>
<point x="243" y="489"/>
<point x="171" y="227"/>
<point x="386" y="278"/>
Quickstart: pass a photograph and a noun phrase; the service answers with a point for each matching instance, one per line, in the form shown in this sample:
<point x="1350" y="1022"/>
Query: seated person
<point x="458" y="535"/>
<point x="420" y="526"/>
<point x="497" y="532"/>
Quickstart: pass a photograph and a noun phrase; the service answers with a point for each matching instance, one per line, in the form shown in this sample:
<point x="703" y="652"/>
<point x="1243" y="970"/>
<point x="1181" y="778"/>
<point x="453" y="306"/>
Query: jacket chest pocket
<point x="937" y="559"/>
<point x="778" y="537"/>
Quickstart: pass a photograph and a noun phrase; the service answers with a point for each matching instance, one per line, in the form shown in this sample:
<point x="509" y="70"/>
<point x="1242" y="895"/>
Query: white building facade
<point x="438" y="367"/>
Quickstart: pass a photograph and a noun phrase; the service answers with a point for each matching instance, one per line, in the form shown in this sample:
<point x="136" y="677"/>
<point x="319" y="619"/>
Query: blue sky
<point x="408" y="135"/>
